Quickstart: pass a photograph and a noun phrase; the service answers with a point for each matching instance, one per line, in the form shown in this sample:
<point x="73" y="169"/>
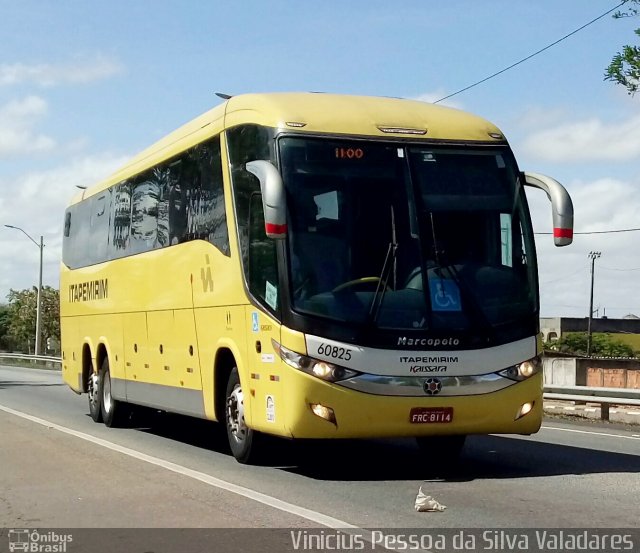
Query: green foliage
<point x="624" y="68"/>
<point x="602" y="345"/>
<point x="5" y="342"/>
<point x="21" y="318"/>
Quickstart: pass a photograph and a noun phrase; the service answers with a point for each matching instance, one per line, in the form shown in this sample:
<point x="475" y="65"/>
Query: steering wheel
<point x="357" y="282"/>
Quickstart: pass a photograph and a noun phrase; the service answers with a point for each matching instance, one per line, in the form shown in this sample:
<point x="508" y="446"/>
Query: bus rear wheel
<point x="243" y="441"/>
<point x="115" y="413"/>
<point x="95" y="396"/>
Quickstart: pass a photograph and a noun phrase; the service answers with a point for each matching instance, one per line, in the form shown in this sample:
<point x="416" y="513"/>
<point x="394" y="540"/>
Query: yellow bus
<point x="312" y="265"/>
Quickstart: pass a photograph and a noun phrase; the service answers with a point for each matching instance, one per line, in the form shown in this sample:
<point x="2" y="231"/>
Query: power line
<point x="598" y="231"/>
<point x="565" y="277"/>
<point x="531" y="55"/>
<point x="623" y="270"/>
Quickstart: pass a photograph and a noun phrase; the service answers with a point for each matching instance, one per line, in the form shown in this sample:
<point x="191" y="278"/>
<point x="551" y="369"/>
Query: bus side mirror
<point x="561" y="206"/>
<point x="273" y="197"/>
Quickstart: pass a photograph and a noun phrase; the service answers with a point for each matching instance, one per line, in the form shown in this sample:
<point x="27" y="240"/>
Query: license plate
<point x="425" y="415"/>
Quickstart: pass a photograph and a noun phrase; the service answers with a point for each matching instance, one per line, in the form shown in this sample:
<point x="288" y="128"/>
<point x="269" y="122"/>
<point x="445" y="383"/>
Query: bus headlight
<point x="315" y="367"/>
<point x="524" y="370"/>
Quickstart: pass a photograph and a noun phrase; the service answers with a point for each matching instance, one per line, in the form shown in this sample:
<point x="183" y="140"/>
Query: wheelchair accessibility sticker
<point x="255" y="326"/>
<point x="445" y="295"/>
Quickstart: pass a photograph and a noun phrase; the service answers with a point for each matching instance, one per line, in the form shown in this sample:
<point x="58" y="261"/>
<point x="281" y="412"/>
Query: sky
<point x="84" y="86"/>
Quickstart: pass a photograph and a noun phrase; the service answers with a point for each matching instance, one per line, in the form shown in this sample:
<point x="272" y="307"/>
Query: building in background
<point x="554" y="328"/>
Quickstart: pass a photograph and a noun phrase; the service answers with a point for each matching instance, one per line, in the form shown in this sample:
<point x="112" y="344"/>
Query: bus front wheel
<point x="242" y="439"/>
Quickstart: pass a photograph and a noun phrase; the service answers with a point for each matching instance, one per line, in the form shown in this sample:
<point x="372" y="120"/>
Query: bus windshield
<point x="408" y="237"/>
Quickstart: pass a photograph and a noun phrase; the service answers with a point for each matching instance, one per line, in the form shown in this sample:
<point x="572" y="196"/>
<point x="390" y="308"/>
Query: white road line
<point x="313" y="516"/>
<point x="632" y="437"/>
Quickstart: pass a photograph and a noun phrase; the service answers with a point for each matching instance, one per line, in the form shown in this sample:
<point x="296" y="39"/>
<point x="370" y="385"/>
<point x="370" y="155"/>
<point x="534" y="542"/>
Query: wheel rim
<point x="106" y="395"/>
<point x="92" y="390"/>
<point x="235" y="415"/>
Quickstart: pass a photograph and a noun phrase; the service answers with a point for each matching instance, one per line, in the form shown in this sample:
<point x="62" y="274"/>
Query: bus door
<point x="267" y="402"/>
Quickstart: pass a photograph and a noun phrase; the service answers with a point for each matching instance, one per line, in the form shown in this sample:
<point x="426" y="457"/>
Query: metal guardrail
<point x="36" y="359"/>
<point x="587" y="394"/>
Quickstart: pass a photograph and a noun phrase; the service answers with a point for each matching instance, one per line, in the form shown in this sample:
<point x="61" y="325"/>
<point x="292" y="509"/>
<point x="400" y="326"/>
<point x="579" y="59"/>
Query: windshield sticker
<point x="271" y="295"/>
<point x="255" y="326"/>
<point x="445" y="295"/>
<point x="327" y="205"/>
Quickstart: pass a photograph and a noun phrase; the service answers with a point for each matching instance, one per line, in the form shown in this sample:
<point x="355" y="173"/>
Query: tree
<point x="603" y="345"/>
<point x="21" y="317"/>
<point x="624" y="68"/>
<point x="5" y="342"/>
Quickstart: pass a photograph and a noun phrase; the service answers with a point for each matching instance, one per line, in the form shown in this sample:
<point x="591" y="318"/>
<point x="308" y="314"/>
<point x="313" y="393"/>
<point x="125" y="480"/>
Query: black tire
<point x="441" y="450"/>
<point x="243" y="441"/>
<point x="115" y="413"/>
<point x="95" y="396"/>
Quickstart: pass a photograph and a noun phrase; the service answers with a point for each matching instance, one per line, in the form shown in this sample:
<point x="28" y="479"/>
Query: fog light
<point x="524" y="410"/>
<point x="323" y="412"/>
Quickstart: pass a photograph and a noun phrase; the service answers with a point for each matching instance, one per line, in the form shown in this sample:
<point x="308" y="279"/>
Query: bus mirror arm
<point x="273" y="197"/>
<point x="561" y="206"/>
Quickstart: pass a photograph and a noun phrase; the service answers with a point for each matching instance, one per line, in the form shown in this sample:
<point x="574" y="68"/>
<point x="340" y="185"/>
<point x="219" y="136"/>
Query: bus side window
<point x="99" y="224"/>
<point x="144" y="216"/>
<point x="214" y="218"/>
<point x="177" y="202"/>
<point x="78" y="250"/>
<point x="262" y="265"/>
<point x="67" y="224"/>
<point x="121" y="220"/>
<point x="196" y="209"/>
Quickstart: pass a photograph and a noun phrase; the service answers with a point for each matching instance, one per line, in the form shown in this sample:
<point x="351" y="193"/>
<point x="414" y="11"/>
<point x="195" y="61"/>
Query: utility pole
<point x="38" y="347"/>
<point x="39" y="297"/>
<point x="593" y="256"/>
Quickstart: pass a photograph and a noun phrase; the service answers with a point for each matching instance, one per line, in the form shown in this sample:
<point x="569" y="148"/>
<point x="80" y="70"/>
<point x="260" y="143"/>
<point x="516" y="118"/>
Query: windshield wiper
<point x="381" y="288"/>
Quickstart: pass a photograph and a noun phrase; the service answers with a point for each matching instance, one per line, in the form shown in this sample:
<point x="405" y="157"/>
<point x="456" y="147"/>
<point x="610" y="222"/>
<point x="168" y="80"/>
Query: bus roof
<point x="367" y="116"/>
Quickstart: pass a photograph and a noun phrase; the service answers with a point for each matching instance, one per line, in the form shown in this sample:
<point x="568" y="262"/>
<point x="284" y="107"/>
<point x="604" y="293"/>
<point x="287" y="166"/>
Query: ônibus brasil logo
<point x="34" y="541"/>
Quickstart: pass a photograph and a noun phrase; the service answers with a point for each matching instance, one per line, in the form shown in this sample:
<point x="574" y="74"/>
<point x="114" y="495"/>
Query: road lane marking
<point x="265" y="499"/>
<point x="632" y="437"/>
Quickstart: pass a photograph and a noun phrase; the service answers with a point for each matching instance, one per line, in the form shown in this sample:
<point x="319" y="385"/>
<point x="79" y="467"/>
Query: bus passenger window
<point x="195" y="194"/>
<point x="67" y="224"/>
<point x="121" y="225"/>
<point x="99" y="228"/>
<point x="144" y="217"/>
<point x="213" y="220"/>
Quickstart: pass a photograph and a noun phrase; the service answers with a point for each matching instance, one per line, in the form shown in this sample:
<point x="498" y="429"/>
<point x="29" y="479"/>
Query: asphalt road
<point x="60" y="469"/>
